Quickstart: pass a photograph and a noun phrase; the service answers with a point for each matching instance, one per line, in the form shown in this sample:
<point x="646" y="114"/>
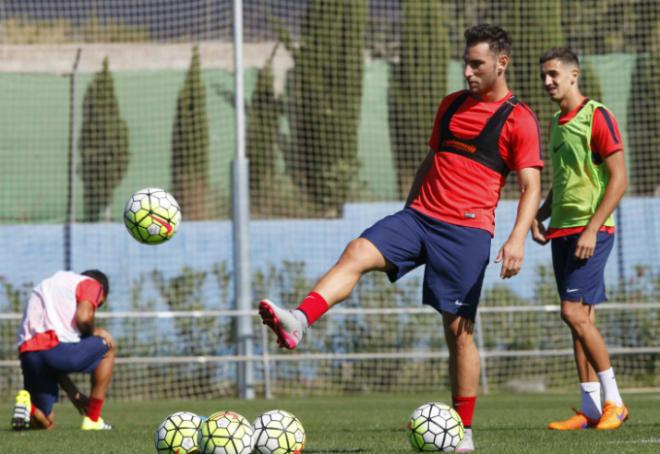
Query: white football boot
<point x="466" y="444"/>
<point x="288" y="328"/>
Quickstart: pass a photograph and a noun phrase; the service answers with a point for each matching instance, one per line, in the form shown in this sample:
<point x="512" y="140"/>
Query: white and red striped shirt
<point x="50" y="314"/>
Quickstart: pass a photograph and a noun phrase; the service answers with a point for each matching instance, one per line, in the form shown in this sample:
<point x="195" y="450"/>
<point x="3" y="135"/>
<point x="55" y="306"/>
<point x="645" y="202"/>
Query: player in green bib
<point x="588" y="181"/>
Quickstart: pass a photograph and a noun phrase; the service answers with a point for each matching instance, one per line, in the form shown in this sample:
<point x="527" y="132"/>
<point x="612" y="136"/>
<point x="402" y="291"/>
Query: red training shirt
<point x="464" y="192"/>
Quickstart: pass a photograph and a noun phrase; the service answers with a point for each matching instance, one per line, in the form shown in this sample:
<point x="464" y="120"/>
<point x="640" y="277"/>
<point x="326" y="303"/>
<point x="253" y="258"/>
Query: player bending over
<point x="589" y="179"/>
<point x="56" y="337"/>
<point x="480" y="134"/>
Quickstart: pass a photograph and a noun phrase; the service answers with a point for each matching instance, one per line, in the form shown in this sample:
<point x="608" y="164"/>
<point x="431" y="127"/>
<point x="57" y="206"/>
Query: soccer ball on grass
<point x="435" y="427"/>
<point x="278" y="432"/>
<point x="178" y="433"/>
<point x="152" y="215"/>
<point x="225" y="432"/>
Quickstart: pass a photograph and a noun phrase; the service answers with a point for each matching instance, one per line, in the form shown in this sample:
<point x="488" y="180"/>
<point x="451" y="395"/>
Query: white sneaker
<point x="20" y="420"/>
<point x="288" y="329"/>
<point x="467" y="443"/>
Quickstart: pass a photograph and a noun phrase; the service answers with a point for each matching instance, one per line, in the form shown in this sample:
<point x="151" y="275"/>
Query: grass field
<point x="357" y="424"/>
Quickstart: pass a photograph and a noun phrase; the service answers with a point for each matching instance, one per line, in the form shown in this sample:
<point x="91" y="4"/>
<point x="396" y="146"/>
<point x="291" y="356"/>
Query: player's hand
<point x="80" y="401"/>
<point x="586" y="245"/>
<point x="539" y="232"/>
<point x="106" y="337"/>
<point x="511" y="255"/>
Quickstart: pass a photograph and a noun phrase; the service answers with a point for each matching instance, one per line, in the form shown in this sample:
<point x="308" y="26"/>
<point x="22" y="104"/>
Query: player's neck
<point x="495" y="93"/>
<point x="571" y="102"/>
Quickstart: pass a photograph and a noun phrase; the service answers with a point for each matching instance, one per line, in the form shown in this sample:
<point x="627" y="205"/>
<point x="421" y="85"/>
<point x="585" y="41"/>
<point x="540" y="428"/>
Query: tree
<point x="418" y="83"/>
<point x="190" y="144"/>
<point x="644" y="119"/>
<point x="525" y="23"/>
<point x="103" y="144"/>
<point x="261" y="140"/>
<point x="323" y="102"/>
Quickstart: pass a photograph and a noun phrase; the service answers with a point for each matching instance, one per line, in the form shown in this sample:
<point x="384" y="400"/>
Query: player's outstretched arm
<point x="512" y="252"/>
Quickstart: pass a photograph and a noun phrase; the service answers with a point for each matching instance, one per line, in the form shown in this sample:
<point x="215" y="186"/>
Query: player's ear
<point x="502" y="63"/>
<point x="575" y="75"/>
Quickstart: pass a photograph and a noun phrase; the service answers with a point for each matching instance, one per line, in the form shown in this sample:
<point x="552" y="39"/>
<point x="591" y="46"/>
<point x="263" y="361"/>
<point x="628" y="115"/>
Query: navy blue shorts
<point x="455" y="257"/>
<point x="581" y="280"/>
<point x="41" y="369"/>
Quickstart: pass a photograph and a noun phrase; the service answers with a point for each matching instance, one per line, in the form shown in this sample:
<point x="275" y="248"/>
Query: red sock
<point x="94" y="408"/>
<point x="313" y="306"/>
<point x="464" y="406"/>
<point x="33" y="410"/>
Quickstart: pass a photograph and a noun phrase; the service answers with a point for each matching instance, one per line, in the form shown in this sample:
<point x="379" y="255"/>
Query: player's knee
<point x="361" y="254"/>
<point x="112" y="347"/>
<point x="464" y="341"/>
<point x="457" y="326"/>
<point x="459" y="335"/>
<point x="355" y="249"/>
<point x="573" y="317"/>
<point x="106" y="336"/>
<point x="567" y="316"/>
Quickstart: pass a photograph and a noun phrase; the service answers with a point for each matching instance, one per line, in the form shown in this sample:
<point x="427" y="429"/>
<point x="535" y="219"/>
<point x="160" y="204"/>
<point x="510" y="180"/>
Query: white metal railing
<point x="268" y="358"/>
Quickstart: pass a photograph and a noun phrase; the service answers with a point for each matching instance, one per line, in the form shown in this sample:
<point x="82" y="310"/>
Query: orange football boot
<point x="576" y="422"/>
<point x="613" y="416"/>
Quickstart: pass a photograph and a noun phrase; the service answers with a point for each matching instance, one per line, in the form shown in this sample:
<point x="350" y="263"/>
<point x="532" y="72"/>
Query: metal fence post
<point x="70" y="216"/>
<point x="241" y="219"/>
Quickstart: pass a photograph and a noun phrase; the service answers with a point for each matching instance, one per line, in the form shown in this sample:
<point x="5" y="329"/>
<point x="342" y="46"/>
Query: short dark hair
<point x="101" y="278"/>
<point x="497" y="39"/>
<point x="563" y="54"/>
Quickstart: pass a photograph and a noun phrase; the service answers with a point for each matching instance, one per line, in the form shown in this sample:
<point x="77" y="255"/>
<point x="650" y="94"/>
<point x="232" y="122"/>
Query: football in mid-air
<point x="178" y="433"/>
<point x="278" y="432"/>
<point x="225" y="432"/>
<point x="152" y="215"/>
<point x="435" y="427"/>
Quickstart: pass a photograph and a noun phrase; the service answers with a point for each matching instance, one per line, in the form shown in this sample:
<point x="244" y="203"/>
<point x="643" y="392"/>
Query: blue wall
<point x="31" y="252"/>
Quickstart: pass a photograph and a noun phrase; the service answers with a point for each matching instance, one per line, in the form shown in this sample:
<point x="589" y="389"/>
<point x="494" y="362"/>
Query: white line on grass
<point x="645" y="441"/>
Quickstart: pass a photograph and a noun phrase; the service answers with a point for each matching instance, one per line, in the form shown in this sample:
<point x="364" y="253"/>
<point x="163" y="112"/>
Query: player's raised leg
<point x="359" y="257"/>
<point x="393" y="245"/>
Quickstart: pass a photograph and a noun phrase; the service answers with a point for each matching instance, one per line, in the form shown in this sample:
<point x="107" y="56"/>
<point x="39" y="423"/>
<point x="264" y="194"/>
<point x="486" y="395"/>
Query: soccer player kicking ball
<point x="589" y="179"/>
<point x="57" y="337"/>
<point x="480" y="134"/>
